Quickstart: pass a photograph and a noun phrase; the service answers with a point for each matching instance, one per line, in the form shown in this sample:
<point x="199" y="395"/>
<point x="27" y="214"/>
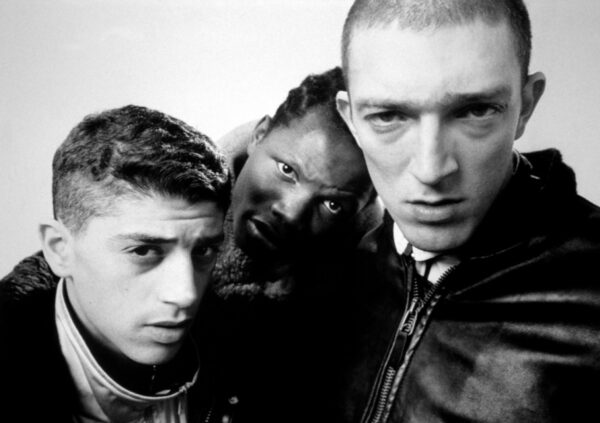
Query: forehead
<point x="318" y="148"/>
<point x="473" y="57"/>
<point x="157" y="215"/>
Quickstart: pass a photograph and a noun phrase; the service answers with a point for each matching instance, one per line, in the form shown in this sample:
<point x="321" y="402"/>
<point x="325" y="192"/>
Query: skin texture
<point x="299" y="182"/>
<point x="135" y="277"/>
<point x="436" y="113"/>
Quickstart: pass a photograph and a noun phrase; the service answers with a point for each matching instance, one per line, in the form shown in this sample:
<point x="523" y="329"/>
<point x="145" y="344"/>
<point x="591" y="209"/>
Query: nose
<point x="433" y="159"/>
<point x="179" y="285"/>
<point x="291" y="206"/>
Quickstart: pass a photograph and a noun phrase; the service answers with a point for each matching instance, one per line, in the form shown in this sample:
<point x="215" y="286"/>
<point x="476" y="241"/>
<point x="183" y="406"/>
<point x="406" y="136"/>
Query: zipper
<point x="388" y="379"/>
<point x="408" y="323"/>
<point x="209" y="414"/>
<point x="153" y="378"/>
<point x="384" y="379"/>
<point x="407" y="326"/>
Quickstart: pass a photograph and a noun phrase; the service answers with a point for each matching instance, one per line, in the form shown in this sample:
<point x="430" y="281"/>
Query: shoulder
<point x="234" y="144"/>
<point x="29" y="277"/>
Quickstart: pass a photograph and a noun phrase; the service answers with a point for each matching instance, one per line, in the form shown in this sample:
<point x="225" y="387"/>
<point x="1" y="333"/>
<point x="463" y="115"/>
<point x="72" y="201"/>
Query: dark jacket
<point x="35" y="382"/>
<point x="512" y="334"/>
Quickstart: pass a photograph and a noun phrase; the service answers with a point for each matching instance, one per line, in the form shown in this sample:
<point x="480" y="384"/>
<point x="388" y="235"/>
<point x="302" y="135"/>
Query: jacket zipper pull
<point x="410" y="318"/>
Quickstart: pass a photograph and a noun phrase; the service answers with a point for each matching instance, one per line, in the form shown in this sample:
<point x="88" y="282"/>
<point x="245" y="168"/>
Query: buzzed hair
<point x="133" y="150"/>
<point x="423" y="14"/>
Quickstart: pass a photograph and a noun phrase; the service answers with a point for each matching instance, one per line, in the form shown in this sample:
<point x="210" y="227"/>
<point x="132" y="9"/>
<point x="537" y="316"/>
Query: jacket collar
<point x="536" y="196"/>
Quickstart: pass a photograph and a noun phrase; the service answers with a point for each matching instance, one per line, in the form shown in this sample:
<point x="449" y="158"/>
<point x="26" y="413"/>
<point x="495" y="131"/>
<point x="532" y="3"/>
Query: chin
<point x="155" y="355"/>
<point x="437" y="239"/>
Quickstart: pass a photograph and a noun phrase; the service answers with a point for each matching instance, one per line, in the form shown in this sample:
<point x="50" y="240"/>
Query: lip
<point x="168" y="331"/>
<point x="264" y="232"/>
<point x="435" y="210"/>
<point x="172" y="324"/>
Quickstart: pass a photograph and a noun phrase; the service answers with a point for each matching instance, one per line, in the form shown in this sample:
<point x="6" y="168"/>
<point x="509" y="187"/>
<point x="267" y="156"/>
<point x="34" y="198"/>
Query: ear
<point x="342" y="101"/>
<point x="57" y="247"/>
<point x="260" y="130"/>
<point x="530" y="95"/>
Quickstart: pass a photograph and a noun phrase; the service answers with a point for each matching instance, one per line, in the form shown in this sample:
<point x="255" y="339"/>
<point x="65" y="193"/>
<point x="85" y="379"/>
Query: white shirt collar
<point x="439" y="266"/>
<point x="401" y="243"/>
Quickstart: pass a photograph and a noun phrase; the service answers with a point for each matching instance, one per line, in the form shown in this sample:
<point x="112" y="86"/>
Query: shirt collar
<point x="401" y="243"/>
<point x="436" y="268"/>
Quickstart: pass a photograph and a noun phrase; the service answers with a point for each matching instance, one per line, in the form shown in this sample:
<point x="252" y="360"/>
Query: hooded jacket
<point x="511" y="334"/>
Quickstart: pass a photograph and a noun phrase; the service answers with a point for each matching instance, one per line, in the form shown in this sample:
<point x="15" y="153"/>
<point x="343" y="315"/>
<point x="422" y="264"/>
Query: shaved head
<point x="425" y="14"/>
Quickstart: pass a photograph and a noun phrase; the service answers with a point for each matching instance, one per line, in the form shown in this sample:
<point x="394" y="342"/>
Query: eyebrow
<point x="342" y="192"/>
<point x="448" y="100"/>
<point x="151" y="239"/>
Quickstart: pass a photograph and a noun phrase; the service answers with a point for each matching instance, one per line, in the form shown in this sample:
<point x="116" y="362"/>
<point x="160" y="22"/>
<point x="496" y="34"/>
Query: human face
<point x="299" y="182"/>
<point x="436" y="113"/>
<point x="138" y="274"/>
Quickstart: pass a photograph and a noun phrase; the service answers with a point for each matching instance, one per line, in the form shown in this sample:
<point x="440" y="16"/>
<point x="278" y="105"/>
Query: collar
<point x="430" y="265"/>
<point x="401" y="244"/>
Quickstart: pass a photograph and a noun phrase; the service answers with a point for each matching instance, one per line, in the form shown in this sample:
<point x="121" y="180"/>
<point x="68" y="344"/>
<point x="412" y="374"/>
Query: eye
<point x="386" y="119"/>
<point x="333" y="206"/>
<point x="205" y="251"/>
<point x="145" y="251"/>
<point x="146" y="255"/>
<point x="480" y="111"/>
<point x="286" y="170"/>
<point x="205" y="254"/>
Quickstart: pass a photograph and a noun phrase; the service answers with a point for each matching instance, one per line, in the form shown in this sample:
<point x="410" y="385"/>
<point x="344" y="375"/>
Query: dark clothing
<point x="36" y="383"/>
<point x="511" y="334"/>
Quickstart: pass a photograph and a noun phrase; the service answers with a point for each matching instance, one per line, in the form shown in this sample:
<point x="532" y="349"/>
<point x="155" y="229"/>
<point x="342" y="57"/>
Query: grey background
<point x="218" y="63"/>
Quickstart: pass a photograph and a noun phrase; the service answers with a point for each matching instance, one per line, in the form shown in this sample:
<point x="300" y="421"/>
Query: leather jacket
<point x="511" y="334"/>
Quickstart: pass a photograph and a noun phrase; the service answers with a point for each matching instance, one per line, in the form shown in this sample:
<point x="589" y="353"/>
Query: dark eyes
<point x="153" y="254"/>
<point x="146" y="250"/>
<point x="386" y="118"/>
<point x="479" y="111"/>
<point x="205" y="253"/>
<point x="286" y="170"/>
<point x="333" y="207"/>
<point x="390" y="119"/>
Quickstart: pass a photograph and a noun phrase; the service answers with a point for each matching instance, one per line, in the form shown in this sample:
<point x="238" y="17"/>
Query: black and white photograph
<point x="354" y="211"/>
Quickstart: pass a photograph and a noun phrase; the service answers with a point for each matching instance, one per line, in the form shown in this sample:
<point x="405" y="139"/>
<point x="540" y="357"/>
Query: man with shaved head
<point x="478" y="298"/>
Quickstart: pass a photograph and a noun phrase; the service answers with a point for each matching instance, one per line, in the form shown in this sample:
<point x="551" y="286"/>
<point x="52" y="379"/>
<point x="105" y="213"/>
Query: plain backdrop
<point x="218" y="63"/>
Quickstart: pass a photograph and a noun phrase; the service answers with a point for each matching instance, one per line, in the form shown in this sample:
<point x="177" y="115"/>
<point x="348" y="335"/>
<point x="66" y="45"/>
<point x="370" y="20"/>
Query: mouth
<point x="172" y="324"/>
<point x="264" y="233"/>
<point x="435" y="211"/>
<point x="169" y="331"/>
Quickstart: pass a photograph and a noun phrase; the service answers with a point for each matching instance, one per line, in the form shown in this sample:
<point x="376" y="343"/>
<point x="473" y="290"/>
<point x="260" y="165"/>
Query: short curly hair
<point x="316" y="90"/>
<point x="133" y="149"/>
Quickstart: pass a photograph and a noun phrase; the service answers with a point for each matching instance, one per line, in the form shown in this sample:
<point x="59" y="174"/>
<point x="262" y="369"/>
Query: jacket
<point x="36" y="384"/>
<point x="511" y="334"/>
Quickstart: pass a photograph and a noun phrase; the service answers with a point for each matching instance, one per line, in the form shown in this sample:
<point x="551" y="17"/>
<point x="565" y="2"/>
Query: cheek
<point x="101" y="278"/>
<point x="490" y="170"/>
<point x="254" y="184"/>
<point x="386" y="163"/>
